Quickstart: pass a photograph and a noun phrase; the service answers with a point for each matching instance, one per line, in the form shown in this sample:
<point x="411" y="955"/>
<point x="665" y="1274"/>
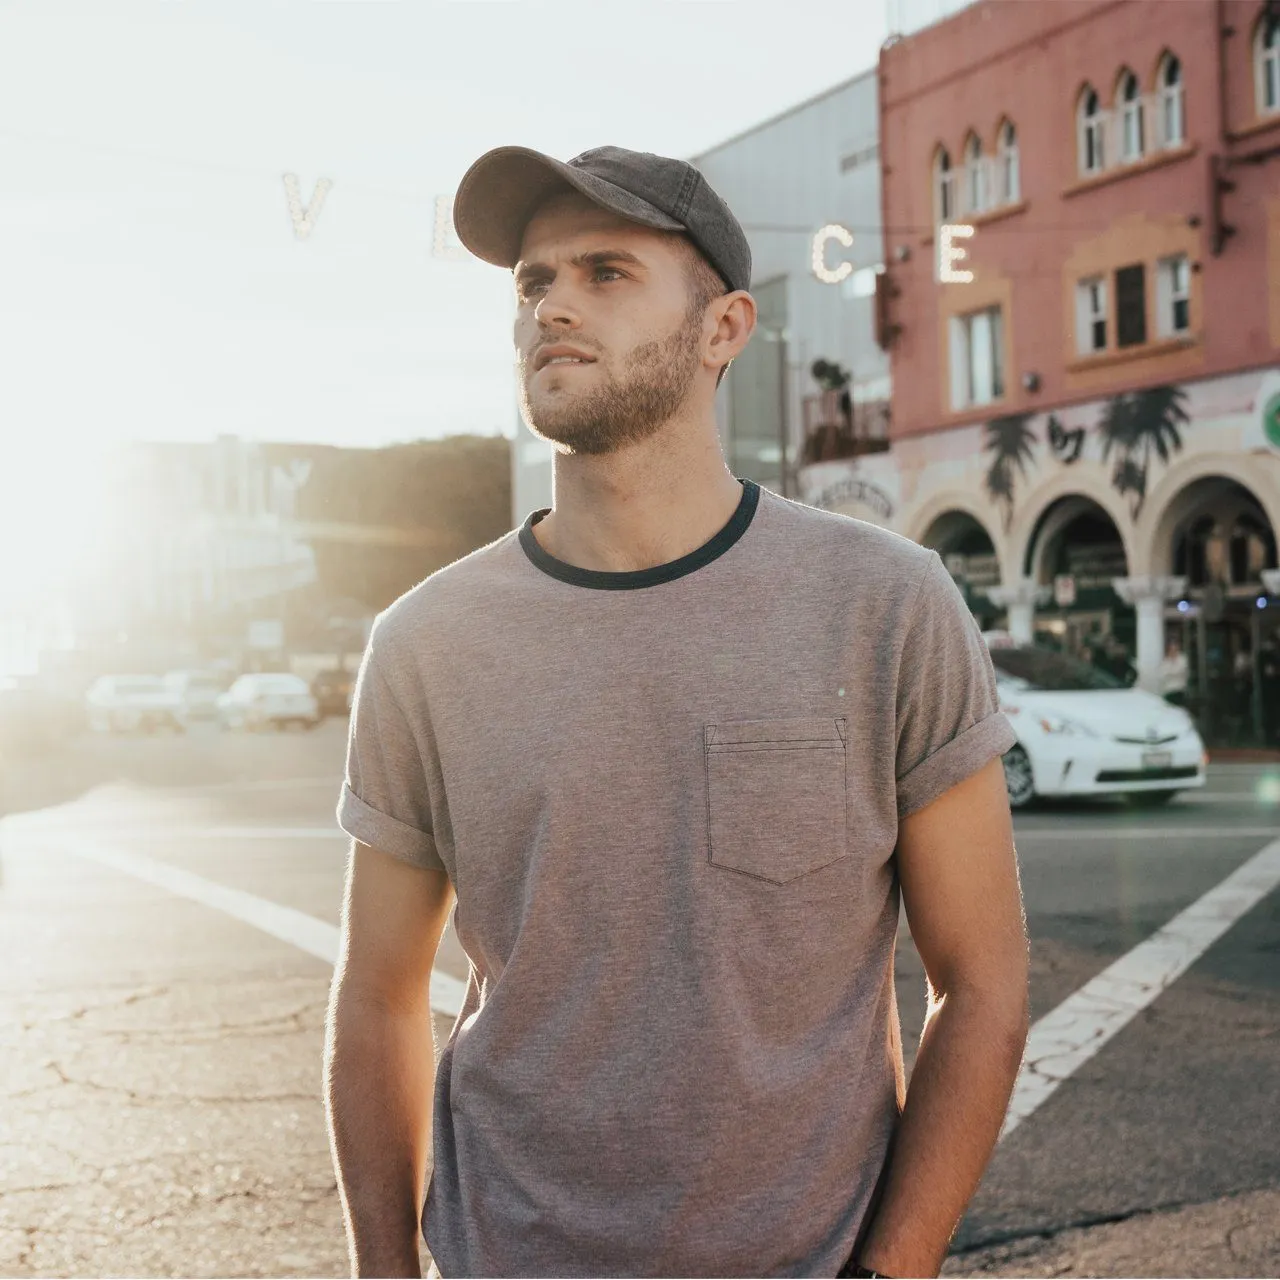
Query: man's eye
<point x="606" y="273"/>
<point x="531" y="288"/>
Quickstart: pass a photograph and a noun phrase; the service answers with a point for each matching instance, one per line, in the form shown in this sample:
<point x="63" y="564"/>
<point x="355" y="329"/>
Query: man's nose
<point x="556" y="308"/>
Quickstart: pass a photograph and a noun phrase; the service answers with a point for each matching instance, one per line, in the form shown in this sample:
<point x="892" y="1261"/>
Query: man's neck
<point x="644" y="506"/>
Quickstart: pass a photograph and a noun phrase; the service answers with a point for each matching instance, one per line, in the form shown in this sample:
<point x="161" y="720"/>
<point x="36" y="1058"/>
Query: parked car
<point x="1082" y="732"/>
<point x="332" y="690"/>
<point x="196" y="693"/>
<point x="125" y="704"/>
<point x="271" y="698"/>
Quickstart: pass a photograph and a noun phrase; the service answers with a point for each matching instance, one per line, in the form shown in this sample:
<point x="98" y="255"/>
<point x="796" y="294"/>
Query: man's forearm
<point x="379" y="1078"/>
<point x="960" y="1087"/>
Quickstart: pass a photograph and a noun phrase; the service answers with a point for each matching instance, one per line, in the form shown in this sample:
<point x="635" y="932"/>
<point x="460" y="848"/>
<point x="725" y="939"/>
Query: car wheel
<point x="1150" y="799"/>
<point x="1019" y="781"/>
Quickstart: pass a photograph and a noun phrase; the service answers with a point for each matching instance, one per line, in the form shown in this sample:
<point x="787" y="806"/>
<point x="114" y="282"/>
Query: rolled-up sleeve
<point x="949" y="719"/>
<point x="384" y="800"/>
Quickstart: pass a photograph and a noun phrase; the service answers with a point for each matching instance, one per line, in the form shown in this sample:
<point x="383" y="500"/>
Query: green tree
<point x="1011" y="443"/>
<point x="1137" y="425"/>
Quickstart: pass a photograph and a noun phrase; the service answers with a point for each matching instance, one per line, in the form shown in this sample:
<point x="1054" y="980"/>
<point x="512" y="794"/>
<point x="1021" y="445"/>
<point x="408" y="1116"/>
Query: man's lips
<point x="561" y="355"/>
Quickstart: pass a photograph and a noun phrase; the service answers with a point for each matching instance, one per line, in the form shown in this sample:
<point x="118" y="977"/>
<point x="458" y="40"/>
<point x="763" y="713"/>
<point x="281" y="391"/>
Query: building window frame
<point x="1130" y="121"/>
<point x="1009" y="163"/>
<point x="1173" y="296"/>
<point x="1131" y="305"/>
<point x="944" y="186"/>
<point x="1090" y="133"/>
<point x="1170" y="110"/>
<point x="1091" y="315"/>
<point x="1266" y="63"/>
<point x="977" y="358"/>
<point x="977" y="197"/>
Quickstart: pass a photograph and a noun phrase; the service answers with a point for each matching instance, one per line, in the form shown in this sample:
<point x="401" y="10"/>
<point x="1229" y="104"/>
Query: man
<point x="1174" y="670"/>
<point x="675" y="744"/>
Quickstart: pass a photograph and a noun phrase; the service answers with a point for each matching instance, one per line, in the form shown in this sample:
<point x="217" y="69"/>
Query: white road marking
<point x="1143" y="833"/>
<point x="1066" y="1038"/>
<point x="333" y="832"/>
<point x="316" y="937"/>
<point x="1059" y="1043"/>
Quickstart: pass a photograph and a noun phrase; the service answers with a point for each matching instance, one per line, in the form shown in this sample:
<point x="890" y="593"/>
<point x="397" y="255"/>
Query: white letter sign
<point x="829" y="275"/>
<point x="949" y="253"/>
<point x="304" y="219"/>
<point x="445" y="242"/>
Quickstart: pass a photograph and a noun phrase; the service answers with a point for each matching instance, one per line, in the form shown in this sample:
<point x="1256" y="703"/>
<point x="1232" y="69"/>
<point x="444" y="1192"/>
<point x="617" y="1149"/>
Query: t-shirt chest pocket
<point x="776" y="795"/>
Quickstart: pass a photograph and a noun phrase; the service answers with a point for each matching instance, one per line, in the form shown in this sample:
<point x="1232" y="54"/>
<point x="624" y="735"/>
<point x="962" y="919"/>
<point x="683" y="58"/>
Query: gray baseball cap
<point x="500" y="192"/>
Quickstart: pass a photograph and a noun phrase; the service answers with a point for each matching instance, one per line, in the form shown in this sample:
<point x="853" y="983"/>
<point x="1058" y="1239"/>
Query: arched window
<point x="944" y="193"/>
<point x="1010" y="176"/>
<point x="1089" y="120"/>
<point x="1129" y="101"/>
<point x="1169" y="92"/>
<point x="1266" y="58"/>
<point x="975" y="176"/>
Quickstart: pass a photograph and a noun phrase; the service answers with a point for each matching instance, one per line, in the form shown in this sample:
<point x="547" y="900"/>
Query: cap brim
<point x="499" y="193"/>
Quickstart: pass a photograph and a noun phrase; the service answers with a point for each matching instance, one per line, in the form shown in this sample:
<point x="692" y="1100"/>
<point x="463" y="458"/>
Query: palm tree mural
<point x="1135" y="426"/>
<point x="1010" y="443"/>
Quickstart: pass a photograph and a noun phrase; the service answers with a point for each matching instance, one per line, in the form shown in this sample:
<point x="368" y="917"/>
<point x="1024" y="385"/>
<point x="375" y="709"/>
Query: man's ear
<point x="735" y="322"/>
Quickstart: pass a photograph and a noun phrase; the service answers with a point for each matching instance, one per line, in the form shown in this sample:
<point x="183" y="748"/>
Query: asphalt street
<point x="167" y="906"/>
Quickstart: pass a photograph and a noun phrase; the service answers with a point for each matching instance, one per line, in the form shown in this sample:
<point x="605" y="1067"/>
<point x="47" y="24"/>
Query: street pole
<point x="783" y="407"/>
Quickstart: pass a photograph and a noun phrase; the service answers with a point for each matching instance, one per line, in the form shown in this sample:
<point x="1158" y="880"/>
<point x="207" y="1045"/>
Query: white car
<point x="1081" y="732"/>
<point x="273" y="698"/>
<point x="123" y="704"/>
<point x="196" y="693"/>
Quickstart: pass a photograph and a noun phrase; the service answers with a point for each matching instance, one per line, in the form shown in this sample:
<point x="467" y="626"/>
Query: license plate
<point x="1157" y="759"/>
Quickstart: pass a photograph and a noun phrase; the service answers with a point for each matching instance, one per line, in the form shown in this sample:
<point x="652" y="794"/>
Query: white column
<point x="1148" y="593"/>
<point x="1020" y="599"/>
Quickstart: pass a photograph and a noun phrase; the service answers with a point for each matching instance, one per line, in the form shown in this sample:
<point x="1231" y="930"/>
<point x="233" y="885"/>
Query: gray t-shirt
<point x="668" y="801"/>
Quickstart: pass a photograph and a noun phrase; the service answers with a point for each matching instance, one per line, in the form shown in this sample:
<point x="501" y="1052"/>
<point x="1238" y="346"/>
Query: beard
<point x="621" y="408"/>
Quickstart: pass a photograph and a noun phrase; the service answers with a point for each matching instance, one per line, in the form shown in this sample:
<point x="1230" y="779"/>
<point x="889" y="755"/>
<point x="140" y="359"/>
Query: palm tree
<point x="1135" y="425"/>
<point x="1010" y="442"/>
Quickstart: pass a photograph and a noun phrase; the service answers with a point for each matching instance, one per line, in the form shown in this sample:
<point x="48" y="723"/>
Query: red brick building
<point x="1088" y="426"/>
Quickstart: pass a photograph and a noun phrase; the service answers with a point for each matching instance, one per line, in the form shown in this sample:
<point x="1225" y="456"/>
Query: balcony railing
<point x="836" y="426"/>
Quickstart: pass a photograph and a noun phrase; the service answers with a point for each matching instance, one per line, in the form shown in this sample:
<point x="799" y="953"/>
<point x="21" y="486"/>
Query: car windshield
<point x="1045" y="671"/>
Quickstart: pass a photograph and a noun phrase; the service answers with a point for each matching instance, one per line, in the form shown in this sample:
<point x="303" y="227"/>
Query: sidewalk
<point x="1243" y="755"/>
<point x="1235" y="1236"/>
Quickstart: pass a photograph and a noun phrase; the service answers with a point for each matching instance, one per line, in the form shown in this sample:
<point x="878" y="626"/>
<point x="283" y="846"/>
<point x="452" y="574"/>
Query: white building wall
<point x="815" y="165"/>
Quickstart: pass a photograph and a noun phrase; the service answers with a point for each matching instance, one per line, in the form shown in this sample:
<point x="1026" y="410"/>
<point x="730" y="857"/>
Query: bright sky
<point x="151" y="286"/>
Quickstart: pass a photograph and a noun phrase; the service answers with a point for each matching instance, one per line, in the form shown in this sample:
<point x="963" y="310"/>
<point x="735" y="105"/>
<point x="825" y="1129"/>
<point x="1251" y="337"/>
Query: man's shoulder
<point x="452" y="591"/>
<point x="858" y="541"/>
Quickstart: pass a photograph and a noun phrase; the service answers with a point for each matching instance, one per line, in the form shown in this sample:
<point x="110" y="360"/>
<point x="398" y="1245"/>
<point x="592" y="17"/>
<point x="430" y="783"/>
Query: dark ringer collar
<point x="605" y="580"/>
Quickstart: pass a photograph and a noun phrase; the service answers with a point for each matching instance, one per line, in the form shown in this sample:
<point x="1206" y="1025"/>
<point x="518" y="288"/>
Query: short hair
<point x="705" y="286"/>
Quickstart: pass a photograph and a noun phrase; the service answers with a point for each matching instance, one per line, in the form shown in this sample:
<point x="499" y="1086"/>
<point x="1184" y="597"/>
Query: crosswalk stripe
<point x="316" y="937"/>
<point x="1066" y="1038"/>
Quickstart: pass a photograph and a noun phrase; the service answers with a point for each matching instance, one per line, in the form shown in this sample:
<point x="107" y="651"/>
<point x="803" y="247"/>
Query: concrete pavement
<point x="162" y="1114"/>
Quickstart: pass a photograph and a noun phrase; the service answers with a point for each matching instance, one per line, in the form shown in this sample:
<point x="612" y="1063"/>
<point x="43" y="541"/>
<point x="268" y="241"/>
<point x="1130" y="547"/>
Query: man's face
<point x="608" y="338"/>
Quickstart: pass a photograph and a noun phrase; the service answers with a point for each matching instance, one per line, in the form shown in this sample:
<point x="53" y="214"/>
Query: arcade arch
<point x="969" y="552"/>
<point x="1076" y="548"/>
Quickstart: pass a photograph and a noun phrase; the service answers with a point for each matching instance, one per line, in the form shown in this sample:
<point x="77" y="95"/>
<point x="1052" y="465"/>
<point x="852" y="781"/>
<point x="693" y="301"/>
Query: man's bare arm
<point x="379" y="1059"/>
<point x="960" y="887"/>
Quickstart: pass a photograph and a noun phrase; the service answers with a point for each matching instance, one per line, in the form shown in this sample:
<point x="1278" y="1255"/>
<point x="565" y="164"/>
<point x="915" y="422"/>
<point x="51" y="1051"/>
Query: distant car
<point x="127" y="704"/>
<point x="196" y="693"/>
<point x="262" y="699"/>
<point x="332" y="690"/>
<point x="1082" y="732"/>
